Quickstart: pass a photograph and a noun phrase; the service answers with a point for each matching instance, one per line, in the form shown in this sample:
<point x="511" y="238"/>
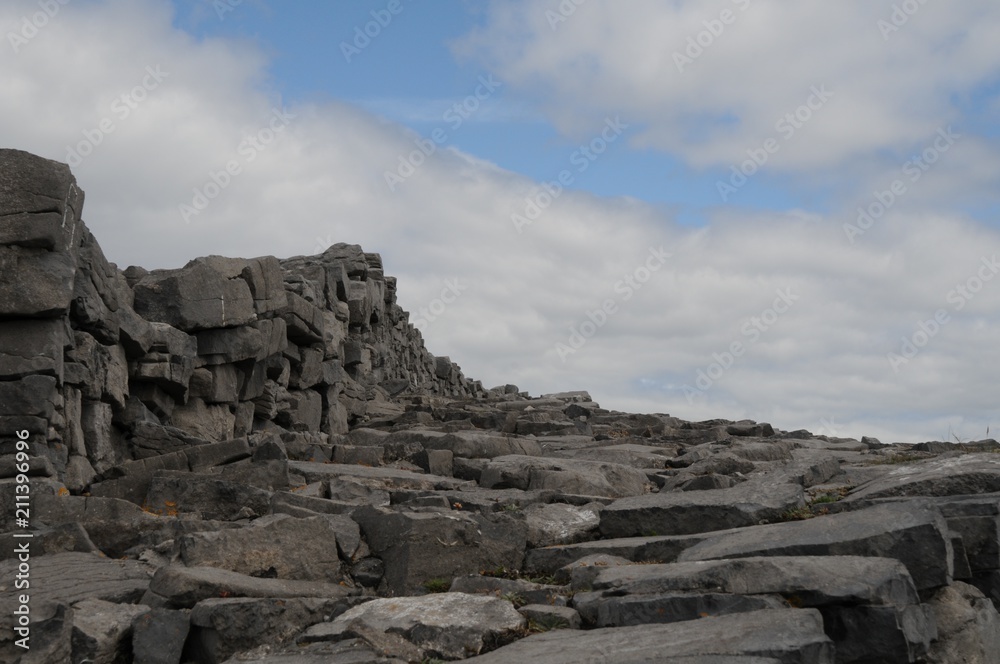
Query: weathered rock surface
<point x="450" y="625"/>
<point x="257" y="460"/>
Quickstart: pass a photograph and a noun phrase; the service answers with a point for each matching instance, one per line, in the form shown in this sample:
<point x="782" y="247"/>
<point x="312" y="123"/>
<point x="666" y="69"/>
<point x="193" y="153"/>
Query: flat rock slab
<point x="224" y="626"/>
<point x="558" y="523"/>
<point x="419" y="547"/>
<point x="809" y="581"/>
<point x="71" y="577"/>
<point x="637" y="549"/>
<point x="589" y="478"/>
<point x="687" y="512"/>
<point x="626" y="454"/>
<point x="915" y="535"/>
<point x="183" y="587"/>
<point x="390" y="478"/>
<point x="281" y="546"/>
<point x="792" y="636"/>
<point x="953" y="475"/>
<point x="869" y="605"/>
<point x="451" y="625"/>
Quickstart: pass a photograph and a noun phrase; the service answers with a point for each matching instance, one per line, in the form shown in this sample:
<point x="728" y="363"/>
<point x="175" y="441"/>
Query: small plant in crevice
<point x="438" y="585"/>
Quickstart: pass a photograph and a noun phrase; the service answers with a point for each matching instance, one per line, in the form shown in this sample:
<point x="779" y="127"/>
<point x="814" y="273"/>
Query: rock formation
<point x="257" y="460"/>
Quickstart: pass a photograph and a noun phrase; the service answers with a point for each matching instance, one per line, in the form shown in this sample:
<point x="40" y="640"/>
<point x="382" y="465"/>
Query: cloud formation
<point x="815" y="314"/>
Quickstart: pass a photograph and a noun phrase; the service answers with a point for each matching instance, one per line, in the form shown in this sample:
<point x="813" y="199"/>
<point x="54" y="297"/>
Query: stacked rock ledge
<point x="257" y="460"/>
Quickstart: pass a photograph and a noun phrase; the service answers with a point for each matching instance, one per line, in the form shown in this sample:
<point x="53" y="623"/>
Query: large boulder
<point x="589" y="478"/>
<point x="870" y="605"/>
<point x="946" y="476"/>
<point x="451" y="625"/>
<point x="40" y="230"/>
<point x="681" y="513"/>
<point x="916" y="535"/>
<point x="195" y="297"/>
<point x="420" y="548"/>
<point x="782" y="636"/>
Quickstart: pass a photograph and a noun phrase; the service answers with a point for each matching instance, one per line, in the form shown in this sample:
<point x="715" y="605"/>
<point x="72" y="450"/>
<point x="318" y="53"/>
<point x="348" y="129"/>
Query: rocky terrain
<point x="257" y="460"/>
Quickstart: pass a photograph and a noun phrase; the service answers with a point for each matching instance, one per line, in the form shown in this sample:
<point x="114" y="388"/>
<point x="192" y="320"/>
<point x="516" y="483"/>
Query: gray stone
<point x="968" y="626"/>
<point x="29" y="396"/>
<point x="277" y="546"/>
<point x="661" y="549"/>
<point x="681" y="513"/>
<point x="195" y="297"/>
<point x="592" y="478"/>
<point x="73" y="577"/>
<point x="32" y="347"/>
<point x="184" y="587"/>
<point x="471" y="444"/>
<point x="792" y="636"/>
<point x="870" y="605"/>
<point x="49" y="634"/>
<point x="158" y="636"/>
<point x="36" y="283"/>
<point x="50" y="540"/>
<point x="952" y="475"/>
<point x="211" y="422"/>
<point x="915" y="535"/>
<point x="558" y="523"/>
<point x="519" y="591"/>
<point x="452" y="625"/>
<point x="206" y="496"/>
<point x="421" y="547"/>
<point x="546" y="617"/>
<point x="224" y="626"/>
<point x="387" y="478"/>
<point x="102" y="631"/>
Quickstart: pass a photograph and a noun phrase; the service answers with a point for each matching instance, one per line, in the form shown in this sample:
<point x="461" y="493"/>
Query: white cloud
<point x="322" y="179"/>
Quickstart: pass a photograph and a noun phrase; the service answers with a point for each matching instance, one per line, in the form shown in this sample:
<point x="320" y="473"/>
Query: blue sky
<point x="410" y="74"/>
<point x="865" y="101"/>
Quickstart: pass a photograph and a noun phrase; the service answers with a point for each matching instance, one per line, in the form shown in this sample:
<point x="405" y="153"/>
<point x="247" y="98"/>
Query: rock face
<point x="257" y="460"/>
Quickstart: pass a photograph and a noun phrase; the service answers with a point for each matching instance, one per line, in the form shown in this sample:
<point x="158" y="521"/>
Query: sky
<point x="740" y="209"/>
